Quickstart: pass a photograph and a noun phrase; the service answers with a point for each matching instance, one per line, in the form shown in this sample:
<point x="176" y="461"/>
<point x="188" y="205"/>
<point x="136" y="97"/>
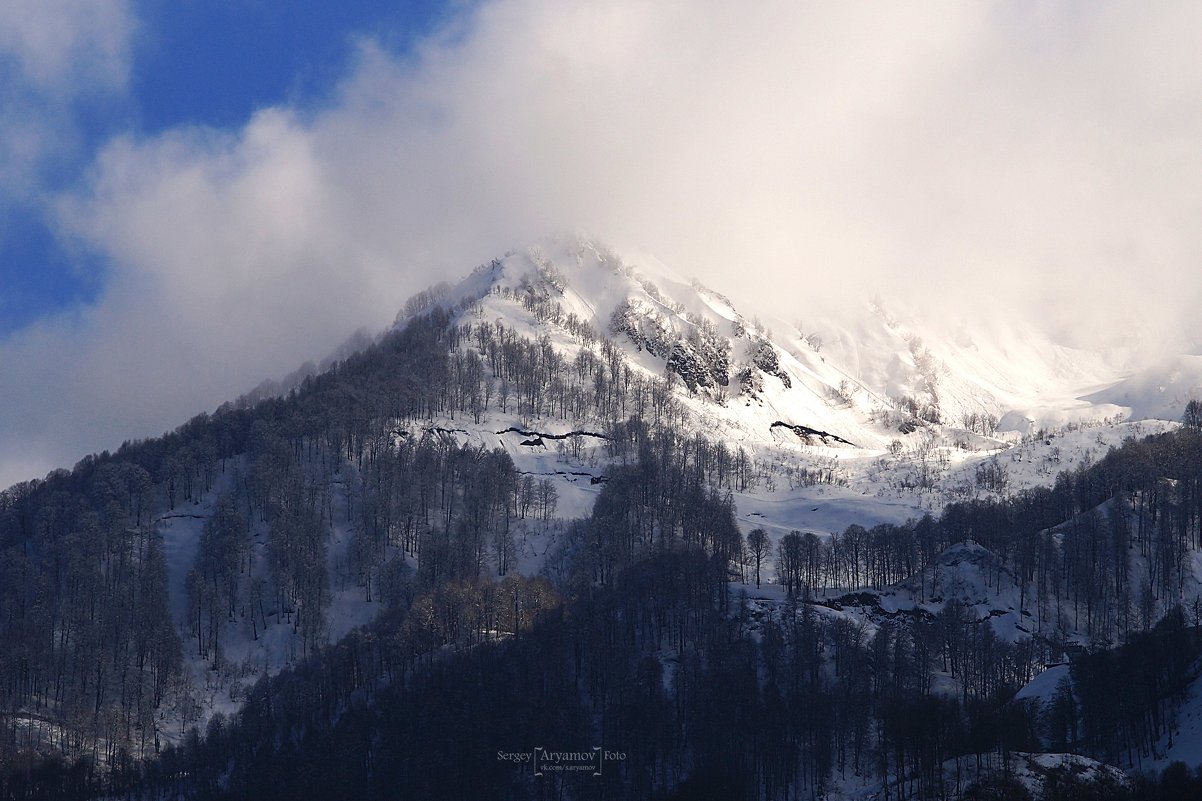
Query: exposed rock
<point x="807" y="434"/>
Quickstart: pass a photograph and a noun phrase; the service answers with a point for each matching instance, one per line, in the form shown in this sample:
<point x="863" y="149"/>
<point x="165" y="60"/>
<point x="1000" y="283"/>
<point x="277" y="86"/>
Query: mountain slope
<point x="566" y="418"/>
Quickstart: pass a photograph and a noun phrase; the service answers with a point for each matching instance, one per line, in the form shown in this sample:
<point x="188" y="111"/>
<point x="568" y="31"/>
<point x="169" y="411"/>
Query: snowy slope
<point x="968" y="574"/>
<point x="1159" y="391"/>
<point x="1043" y="688"/>
<point x="1183" y="742"/>
<point x="985" y="365"/>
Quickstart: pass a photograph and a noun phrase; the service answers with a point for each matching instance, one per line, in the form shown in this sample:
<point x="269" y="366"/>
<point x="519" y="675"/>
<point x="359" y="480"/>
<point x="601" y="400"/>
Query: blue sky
<point x="192" y="63"/>
<point x="38" y="274"/>
<point x="213" y="62"/>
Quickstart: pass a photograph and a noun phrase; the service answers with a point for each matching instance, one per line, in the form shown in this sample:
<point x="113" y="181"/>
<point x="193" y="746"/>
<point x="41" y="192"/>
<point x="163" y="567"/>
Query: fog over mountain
<point x="979" y="162"/>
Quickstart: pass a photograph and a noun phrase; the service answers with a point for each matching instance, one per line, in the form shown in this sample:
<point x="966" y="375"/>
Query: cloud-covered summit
<point x="971" y="159"/>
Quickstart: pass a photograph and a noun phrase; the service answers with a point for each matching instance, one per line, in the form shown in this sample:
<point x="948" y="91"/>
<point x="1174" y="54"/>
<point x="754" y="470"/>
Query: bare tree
<point x="1193" y="415"/>
<point x="757" y="543"/>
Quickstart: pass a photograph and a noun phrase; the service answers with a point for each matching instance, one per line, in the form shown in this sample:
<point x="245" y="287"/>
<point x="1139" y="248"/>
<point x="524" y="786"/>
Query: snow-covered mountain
<point x="863" y="377"/>
<point x="862" y="417"/>
<point x="870" y="418"/>
<point x="836" y="421"/>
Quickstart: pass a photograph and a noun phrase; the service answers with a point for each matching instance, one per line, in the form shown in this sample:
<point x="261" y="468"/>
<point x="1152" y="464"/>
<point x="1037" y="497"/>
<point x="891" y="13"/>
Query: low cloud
<point x="965" y="157"/>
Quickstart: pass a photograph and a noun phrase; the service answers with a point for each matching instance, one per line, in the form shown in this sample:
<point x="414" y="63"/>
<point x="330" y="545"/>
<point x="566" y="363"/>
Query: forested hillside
<point x="92" y="662"/>
<point x="345" y="592"/>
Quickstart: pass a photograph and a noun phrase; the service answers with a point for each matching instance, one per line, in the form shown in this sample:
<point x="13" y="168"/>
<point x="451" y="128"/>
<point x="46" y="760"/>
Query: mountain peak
<point x="883" y="379"/>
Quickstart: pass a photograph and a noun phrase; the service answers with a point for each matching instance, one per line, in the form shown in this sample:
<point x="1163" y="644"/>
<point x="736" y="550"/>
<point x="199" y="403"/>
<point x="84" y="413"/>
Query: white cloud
<point x="53" y="54"/>
<point x="63" y="45"/>
<point x="949" y="152"/>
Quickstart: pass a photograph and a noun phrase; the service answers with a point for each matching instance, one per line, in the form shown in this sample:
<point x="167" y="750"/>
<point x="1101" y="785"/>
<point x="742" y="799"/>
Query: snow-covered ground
<point x="1030" y="771"/>
<point x="822" y="509"/>
<point x="248" y="649"/>
<point x="1183" y="741"/>
<point x="1043" y="688"/>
